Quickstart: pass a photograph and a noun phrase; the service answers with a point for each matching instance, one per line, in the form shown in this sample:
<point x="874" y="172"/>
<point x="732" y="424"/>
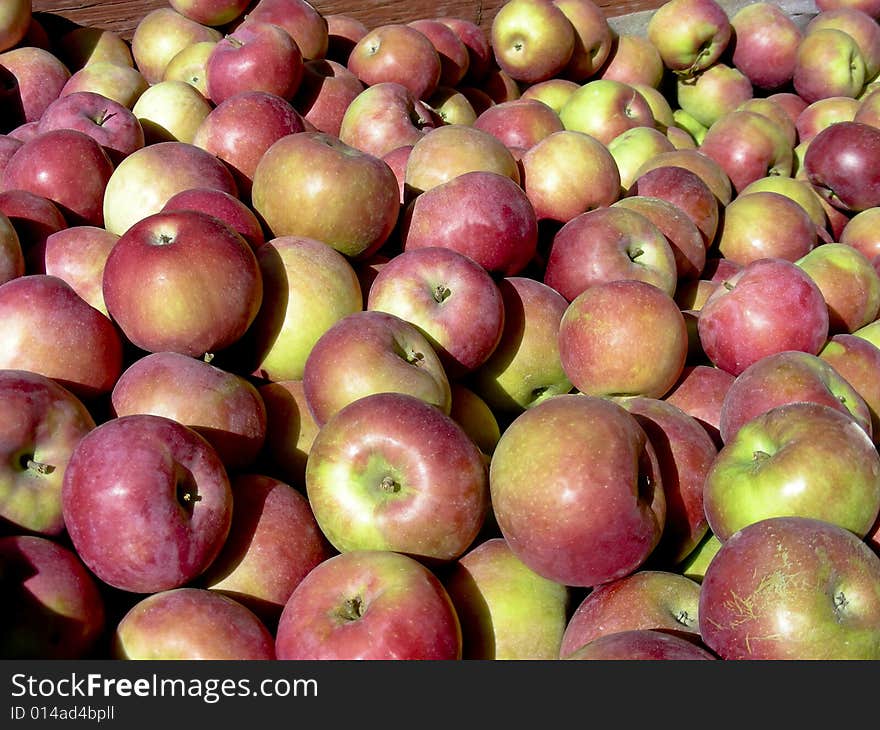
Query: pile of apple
<point x="427" y="342"/>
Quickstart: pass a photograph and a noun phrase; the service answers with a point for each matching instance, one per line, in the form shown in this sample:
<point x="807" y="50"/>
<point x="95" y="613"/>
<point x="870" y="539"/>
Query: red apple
<point x="77" y="255"/>
<point x="11" y="255"/>
<point x="520" y="123"/>
<point x="225" y="206"/>
<point x="593" y="38"/>
<point x="604" y="108"/>
<point x="765" y="42"/>
<point x="858" y="361"/>
<point x="343" y="32"/>
<point x="34" y="218"/>
<point x="40" y="76"/>
<point x="700" y="392"/>
<point x="305" y="23"/>
<point x="325" y="92"/>
<point x="841" y="163"/>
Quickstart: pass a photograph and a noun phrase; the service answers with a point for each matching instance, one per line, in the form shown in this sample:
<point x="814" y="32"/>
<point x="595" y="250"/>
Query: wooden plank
<point x="122" y="16"/>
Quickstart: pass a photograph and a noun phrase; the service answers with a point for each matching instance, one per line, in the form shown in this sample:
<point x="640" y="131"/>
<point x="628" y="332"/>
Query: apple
<point x="862" y="233"/>
<point x="828" y="63"/>
<point x="857" y="360"/>
<point x="12" y="111"/>
<point x="800" y="191"/>
<point x="343" y="32"/>
<point x="314" y="185"/>
<point x="474" y="415"/>
<point x="453" y="53"/>
<point x="868" y="6"/>
<point x="700" y="392"/>
<point x="11" y="255"/>
<point x="690" y="35"/>
<point x="290" y="430"/>
<point x="481" y="214"/>
<point x="147" y="503"/>
<point x="50" y="330"/>
<point x="811" y="590"/>
<point x="191" y="623"/>
<point x="325" y="92"/>
<point x="607" y="244"/>
<point x="868" y="109"/>
<point x="710" y="171"/>
<point x="183" y="281"/>
<point x="519" y="123"/>
<point x="476" y="40"/>
<point x="86" y="44"/>
<point x="274" y="542"/>
<point x="788" y="377"/>
<point x="790" y="101"/>
<point x="451" y="106"/>
<point x="661" y="108"/>
<point x="633" y="60"/>
<point x="765" y="42"/>
<point x="369" y="605"/>
<point x="710" y="94"/>
<point x="77" y="255"/>
<point x="605" y="510"/>
<point x="593" y="38"/>
<point x="171" y="111"/>
<point x="306" y="25"/>
<point x="54" y="607"/>
<point x="603" y="108"/>
<point x="768" y="306"/>
<point x="239" y="131"/>
<point x="123" y="84"/>
<point x="858" y="24"/>
<point x="40" y="76"/>
<point x="225" y="206"/>
<point x="840" y="163"/>
<point x="632" y="147"/>
<point x="553" y="92"/>
<point x="34" y="218"/>
<point x="211" y="12"/>
<point x="453" y="301"/>
<point x="525" y="368"/>
<point x="641" y="645"/>
<point x="15" y="19"/>
<point x="687" y="124"/>
<point x="189" y="64"/>
<point x="507" y="611"/>
<point x="372" y="352"/>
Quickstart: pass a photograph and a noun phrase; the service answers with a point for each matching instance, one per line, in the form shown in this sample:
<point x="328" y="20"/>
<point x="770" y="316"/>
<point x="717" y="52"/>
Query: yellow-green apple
<point x="765" y="224"/>
<point x="532" y="40"/>
<point x="77" y="255"/>
<point x="453" y="54"/>
<point x="123" y="84"/>
<point x="160" y="34"/>
<point x="146" y="502"/>
<point x="868" y="111"/>
<point x="519" y="123"/>
<point x="290" y="430"/>
<point x="748" y="146"/>
<point x="49" y="329"/>
<point x="369" y="605"/>
<point x="688" y="124"/>
<point x="814" y="588"/>
<point x="553" y="92"/>
<point x="273" y="543"/>
<point x="482" y="214"/>
<point x="475" y="416"/>
<point x="305" y="23"/>
<point x="40" y="76"/>
<point x="34" y="218"/>
<point x="799" y="191"/>
<point x="191" y="623"/>
<point x="764" y="44"/>
<point x="211" y="12"/>
<point x="841" y="163"/>
<point x="171" y="111"/>
<point x="710" y="94"/>
<point x="325" y="91"/>
<point x="768" y="306"/>
<point x="15" y="18"/>
<point x="507" y="611"/>
<point x="372" y="352"/>
<point x="11" y="255"/>
<point x="641" y="645"/>
<point x="603" y="108"/>
<point x="390" y="471"/>
<point x="451" y="106"/>
<point x="453" y="301"/>
<point x="476" y="40"/>
<point x="633" y="59"/>
<point x="603" y="345"/>
<point x="383" y="117"/>
<point x="632" y="148"/>
<point x="695" y="564"/>
<point x="661" y="107"/>
<point x="54" y="607"/>
<point x="828" y="63"/>
<point x="600" y="509"/>
<point x="223" y="407"/>
<point x="42" y="423"/>
<point x="700" y="392"/>
<point x="697" y="161"/>
<point x="645" y="599"/>
<point x="862" y="232"/>
<point x="308" y="286"/>
<point x="343" y="32"/>
<point x="776" y="113"/>
<point x="858" y="24"/>
<point x="225" y="206"/>
<point x="525" y="368"/>
<point x="690" y="35"/>
<point x="239" y="131"/>
<point x="593" y="38"/>
<point x="858" y="361"/>
<point x="680" y="231"/>
<point x="400" y="53"/>
<point x="189" y="64"/>
<point x="86" y="44"/>
<point x="685" y="189"/>
<point x="591" y="176"/>
<point x="66" y="166"/>
<point x="609" y="244"/>
<point x="849" y="282"/>
<point x="183" y="281"/>
<point x="788" y="377"/>
<point x="314" y="185"/>
<point x="141" y="184"/>
<point x="113" y="125"/>
<point x="823" y="113"/>
<point x="451" y="150"/>
<point x="256" y="56"/>
<point x="800" y="459"/>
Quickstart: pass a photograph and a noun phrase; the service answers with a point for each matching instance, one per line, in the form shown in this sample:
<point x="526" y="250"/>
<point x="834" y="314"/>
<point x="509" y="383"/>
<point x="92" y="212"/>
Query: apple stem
<point x="40" y="467"/>
<point x="352" y="609"/>
<point x="635" y="254"/>
<point x="389" y="485"/>
<point x="760" y="456"/>
<point x="441" y="293"/>
<point x="208" y="356"/>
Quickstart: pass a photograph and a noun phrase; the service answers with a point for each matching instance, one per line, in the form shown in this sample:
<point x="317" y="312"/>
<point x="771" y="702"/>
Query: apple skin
<point x="473" y="414"/>
<point x="593" y="38"/>
<point x="768" y="306"/>
<point x="822" y="113"/>
<point x="273" y="543"/>
<point x="828" y="63"/>
<point x="306" y="25"/>
<point x="34" y="218"/>
<point x="710" y="94"/>
<point x="182" y="281"/>
<point x="690" y="35"/>
<point x="858" y="24"/>
<point x="801" y="458"/>
<point x="858" y="361"/>
<point x="191" y="623"/>
<point x="49" y="329"/>
<point x="77" y="255"/>
<point x="54" y="607"/>
<point x="290" y="431"/>
<point x="211" y="12"/>
<point x="812" y="590"/>
<point x="326" y="90"/>
<point x="632" y="147"/>
<point x="449" y="297"/>
<point x="641" y="645"/>
<point x="228" y="208"/>
<point x="392" y="472"/>
<point x="171" y="111"/>
<point x="851" y="182"/>
<point x="189" y="65"/>
<point x="700" y="393"/>
<point x="710" y="171"/>
<point x="861" y="232"/>
<point x="40" y="75"/>
<point x="12" y="263"/>
<point x="480" y="214"/>
<point x="123" y="84"/>
<point x="388" y="354"/>
<point x="606" y="244"/>
<point x="604" y="108"/>
<point x="553" y="92"/>
<point x="369" y="605"/>
<point x="525" y="368"/>
<point x="221" y="406"/>
<point x="644" y="600"/>
<point x="605" y="510"/>
<point x="765" y="42"/>
<point x="603" y="317"/>
<point x="314" y="185"/>
<point x="519" y="123"/>
<point x="454" y="56"/>
<point x="170" y="509"/>
<point x="506" y="610"/>
<point x="801" y="192"/>
<point x="343" y="32"/>
<point x="42" y="423"/>
<point x="14" y="22"/>
<point x="476" y="40"/>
